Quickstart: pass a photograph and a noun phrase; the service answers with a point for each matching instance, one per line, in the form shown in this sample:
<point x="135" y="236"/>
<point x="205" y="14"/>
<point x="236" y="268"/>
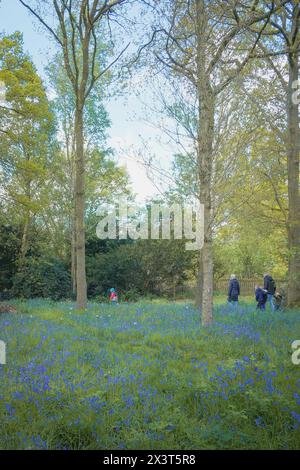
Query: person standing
<point x="270" y="287"/>
<point x="113" y="296"/>
<point x="261" y="298"/>
<point x="233" y="290"/>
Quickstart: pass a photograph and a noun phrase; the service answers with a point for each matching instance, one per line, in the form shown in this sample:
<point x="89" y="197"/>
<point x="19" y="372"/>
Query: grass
<point x="147" y="376"/>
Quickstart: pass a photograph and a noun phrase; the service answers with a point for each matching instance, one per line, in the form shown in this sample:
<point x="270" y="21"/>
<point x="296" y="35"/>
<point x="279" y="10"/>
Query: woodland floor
<point x="147" y="376"/>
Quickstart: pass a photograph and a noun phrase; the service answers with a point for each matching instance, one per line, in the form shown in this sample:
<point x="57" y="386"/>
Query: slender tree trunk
<point x="24" y="242"/>
<point x="206" y="108"/>
<point x="73" y="255"/>
<point x="174" y="290"/>
<point x="207" y="295"/>
<point x="73" y="226"/>
<point x="199" y="288"/>
<point x="25" y="234"/>
<point x="80" y="209"/>
<point x="293" y="186"/>
<point x="207" y="250"/>
<point x="71" y="152"/>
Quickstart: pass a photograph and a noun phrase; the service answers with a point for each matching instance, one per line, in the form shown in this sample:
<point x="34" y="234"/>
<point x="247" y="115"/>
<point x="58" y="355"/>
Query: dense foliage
<point x="47" y="278"/>
<point x="37" y="179"/>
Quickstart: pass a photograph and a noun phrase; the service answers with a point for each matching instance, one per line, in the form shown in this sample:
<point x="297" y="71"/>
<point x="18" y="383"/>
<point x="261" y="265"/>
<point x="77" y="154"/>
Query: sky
<point x="126" y="113"/>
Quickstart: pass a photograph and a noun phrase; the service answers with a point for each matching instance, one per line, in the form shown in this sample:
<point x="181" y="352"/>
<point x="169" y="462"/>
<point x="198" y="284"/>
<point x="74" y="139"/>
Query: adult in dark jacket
<point x="270" y="287"/>
<point x="233" y="290"/>
<point x="261" y="298"/>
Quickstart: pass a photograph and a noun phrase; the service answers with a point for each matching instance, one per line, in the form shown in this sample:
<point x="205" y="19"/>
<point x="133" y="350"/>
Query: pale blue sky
<point x="124" y="133"/>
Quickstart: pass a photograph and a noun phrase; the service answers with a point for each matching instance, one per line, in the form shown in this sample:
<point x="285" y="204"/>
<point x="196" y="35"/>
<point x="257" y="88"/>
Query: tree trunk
<point x="174" y="290"/>
<point x="24" y="243"/>
<point x="73" y="255"/>
<point x="80" y="209"/>
<point x="25" y="234"/>
<point x="293" y="187"/>
<point x="71" y="152"/>
<point x="199" y="288"/>
<point x="73" y="225"/>
<point x="207" y="258"/>
<point x="206" y="109"/>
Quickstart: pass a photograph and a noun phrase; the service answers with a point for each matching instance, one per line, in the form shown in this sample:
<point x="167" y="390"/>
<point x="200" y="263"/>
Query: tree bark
<point x="293" y="186"/>
<point x="81" y="286"/>
<point x="73" y="255"/>
<point x="199" y="288"/>
<point x="24" y="243"/>
<point x="206" y="113"/>
<point x="25" y="234"/>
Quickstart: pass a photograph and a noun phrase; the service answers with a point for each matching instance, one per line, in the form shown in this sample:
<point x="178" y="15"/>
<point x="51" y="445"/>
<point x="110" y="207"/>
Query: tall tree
<point x="96" y="123"/>
<point x="77" y="34"/>
<point x="285" y="28"/>
<point x="26" y="127"/>
<point x="199" y="41"/>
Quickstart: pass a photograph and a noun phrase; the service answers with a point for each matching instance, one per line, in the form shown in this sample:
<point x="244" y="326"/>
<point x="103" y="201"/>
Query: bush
<point x="131" y="295"/>
<point x="120" y="268"/>
<point x="48" y="278"/>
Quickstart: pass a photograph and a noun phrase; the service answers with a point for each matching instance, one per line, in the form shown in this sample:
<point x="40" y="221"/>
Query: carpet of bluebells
<point x="147" y="376"/>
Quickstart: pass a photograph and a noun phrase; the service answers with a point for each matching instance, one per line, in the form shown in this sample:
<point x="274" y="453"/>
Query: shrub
<point x="131" y="295"/>
<point x="47" y="278"/>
